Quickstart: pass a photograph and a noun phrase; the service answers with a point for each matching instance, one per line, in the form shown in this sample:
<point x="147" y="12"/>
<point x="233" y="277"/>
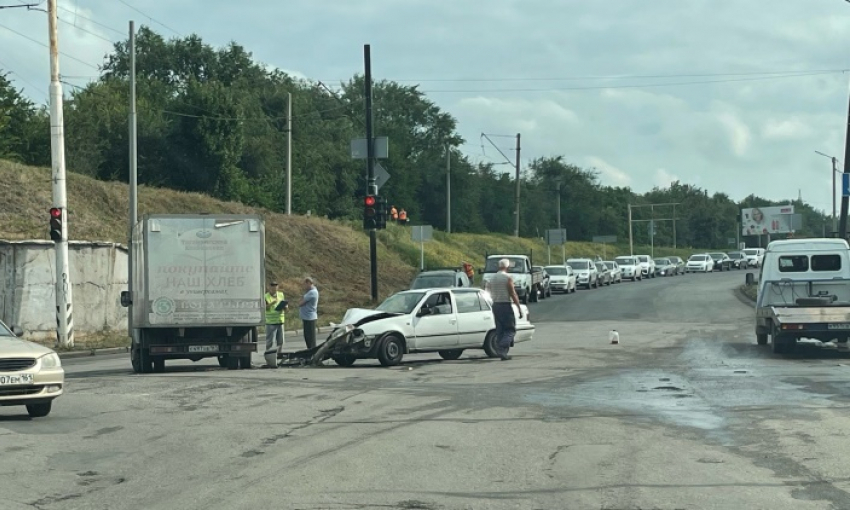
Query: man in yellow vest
<point x="275" y="317"/>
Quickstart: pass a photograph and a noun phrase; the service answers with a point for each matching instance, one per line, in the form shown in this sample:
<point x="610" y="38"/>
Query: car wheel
<point x="391" y="351"/>
<point x="490" y="345"/>
<point x="450" y="355"/>
<point x="39" y="410"/>
<point x="344" y="360"/>
<point x="524" y="298"/>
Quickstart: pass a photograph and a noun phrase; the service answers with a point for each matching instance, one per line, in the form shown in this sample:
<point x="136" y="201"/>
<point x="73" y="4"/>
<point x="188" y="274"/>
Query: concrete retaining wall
<point x="28" y="276"/>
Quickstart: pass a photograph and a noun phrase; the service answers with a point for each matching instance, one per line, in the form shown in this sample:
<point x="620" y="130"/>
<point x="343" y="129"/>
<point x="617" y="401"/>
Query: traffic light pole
<point x="371" y="187"/>
<point x="64" y="316"/>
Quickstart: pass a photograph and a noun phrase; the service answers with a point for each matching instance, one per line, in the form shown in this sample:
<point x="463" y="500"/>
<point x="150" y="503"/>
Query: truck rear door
<point x="205" y="271"/>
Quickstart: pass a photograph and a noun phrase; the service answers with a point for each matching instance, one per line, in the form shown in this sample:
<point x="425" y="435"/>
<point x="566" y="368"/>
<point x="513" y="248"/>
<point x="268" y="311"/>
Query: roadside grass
<point x="334" y="253"/>
<point x="751" y="291"/>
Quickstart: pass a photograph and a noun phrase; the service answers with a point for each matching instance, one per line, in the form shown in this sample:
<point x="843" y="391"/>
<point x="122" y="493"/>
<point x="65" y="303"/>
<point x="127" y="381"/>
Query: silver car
<point x="31" y="375"/>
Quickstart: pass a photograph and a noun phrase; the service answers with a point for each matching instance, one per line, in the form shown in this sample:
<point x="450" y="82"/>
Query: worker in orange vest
<point x="402" y="216"/>
<point x="394" y="213"/>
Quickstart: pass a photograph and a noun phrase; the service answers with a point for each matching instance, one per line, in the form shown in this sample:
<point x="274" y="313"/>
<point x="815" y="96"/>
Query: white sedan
<point x="445" y="321"/>
<point x="31" y="375"/>
<point x="561" y="279"/>
<point x="701" y="263"/>
<point x="616" y="271"/>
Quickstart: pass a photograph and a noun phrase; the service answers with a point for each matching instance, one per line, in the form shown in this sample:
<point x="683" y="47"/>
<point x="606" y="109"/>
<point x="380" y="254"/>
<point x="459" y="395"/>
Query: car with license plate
<point x="603" y="272"/>
<point x="614" y="269"/>
<point x="630" y="267"/>
<point x="739" y="260"/>
<point x="562" y="278"/>
<point x="665" y="267"/>
<point x="647" y="265"/>
<point x="679" y="263"/>
<point x="700" y="263"/>
<point x="722" y="262"/>
<point x="587" y="275"/>
<point x="443" y="321"/>
<point x="31" y="374"/>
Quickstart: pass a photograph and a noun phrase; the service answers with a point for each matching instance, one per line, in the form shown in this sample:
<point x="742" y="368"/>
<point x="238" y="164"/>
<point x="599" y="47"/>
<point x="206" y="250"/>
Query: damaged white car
<point x="445" y="321"/>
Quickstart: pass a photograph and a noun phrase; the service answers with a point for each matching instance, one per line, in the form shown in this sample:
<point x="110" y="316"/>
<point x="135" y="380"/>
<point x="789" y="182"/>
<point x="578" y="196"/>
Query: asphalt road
<point x="686" y="412"/>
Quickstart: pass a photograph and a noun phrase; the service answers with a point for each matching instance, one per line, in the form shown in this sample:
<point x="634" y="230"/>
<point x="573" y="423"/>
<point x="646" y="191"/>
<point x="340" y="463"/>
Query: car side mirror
<point x="425" y="310"/>
<point x="125" y="298"/>
<point x="17" y="331"/>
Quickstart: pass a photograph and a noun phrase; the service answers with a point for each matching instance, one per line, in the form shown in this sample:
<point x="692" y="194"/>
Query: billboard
<point x="767" y="220"/>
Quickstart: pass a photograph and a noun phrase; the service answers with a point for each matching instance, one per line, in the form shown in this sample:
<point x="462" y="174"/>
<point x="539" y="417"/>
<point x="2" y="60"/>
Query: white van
<point x="804" y="292"/>
<point x="754" y="256"/>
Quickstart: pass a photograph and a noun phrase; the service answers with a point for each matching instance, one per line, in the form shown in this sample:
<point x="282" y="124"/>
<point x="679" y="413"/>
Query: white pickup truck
<point x="527" y="281"/>
<point x="803" y="292"/>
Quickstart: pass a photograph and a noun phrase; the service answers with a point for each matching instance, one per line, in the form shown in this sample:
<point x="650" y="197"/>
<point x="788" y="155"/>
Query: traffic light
<point x="383" y="212"/>
<point x="56" y="224"/>
<point x="370" y="212"/>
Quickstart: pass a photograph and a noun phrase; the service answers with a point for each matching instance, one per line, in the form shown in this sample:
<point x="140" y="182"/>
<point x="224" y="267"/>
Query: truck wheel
<point x="451" y="355"/>
<point x="158" y="365"/>
<point x="141" y="361"/>
<point x="761" y="339"/>
<point x="490" y="345"/>
<point x="245" y="362"/>
<point x="232" y="363"/>
<point x="391" y="351"/>
<point x="222" y="360"/>
<point x="344" y="360"/>
<point x="524" y="298"/>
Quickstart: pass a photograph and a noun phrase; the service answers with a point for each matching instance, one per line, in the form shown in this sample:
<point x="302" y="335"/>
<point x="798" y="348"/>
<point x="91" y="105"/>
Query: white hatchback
<point x="701" y="263"/>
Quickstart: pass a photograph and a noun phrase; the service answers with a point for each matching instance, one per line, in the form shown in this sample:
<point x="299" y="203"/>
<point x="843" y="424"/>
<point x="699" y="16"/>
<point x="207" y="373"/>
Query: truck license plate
<point x="839" y="326"/>
<point x="203" y="348"/>
<point x="12" y="380"/>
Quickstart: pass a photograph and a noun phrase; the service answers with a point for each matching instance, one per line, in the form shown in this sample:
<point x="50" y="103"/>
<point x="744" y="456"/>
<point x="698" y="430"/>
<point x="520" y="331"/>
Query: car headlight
<point x="51" y="361"/>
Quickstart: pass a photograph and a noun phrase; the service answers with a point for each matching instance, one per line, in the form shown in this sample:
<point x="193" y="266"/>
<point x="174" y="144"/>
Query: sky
<point x="734" y="96"/>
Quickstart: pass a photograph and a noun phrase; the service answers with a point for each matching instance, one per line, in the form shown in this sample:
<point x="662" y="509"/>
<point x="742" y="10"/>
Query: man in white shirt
<point x="308" y="311"/>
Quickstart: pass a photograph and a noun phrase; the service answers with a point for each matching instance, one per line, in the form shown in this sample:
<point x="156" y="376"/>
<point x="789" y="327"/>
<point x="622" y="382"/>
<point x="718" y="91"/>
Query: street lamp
<point x="834" y="171"/>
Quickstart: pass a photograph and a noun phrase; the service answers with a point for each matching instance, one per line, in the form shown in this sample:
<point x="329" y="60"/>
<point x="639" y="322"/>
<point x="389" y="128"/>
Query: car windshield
<point x="609" y="265"/>
<point x="517" y="265"/>
<point x="578" y="265"/>
<point x="432" y="282"/>
<point x="751" y="252"/>
<point x="736" y="255"/>
<point x="642" y="258"/>
<point x="403" y="302"/>
<point x="716" y="256"/>
<point x="697" y="258"/>
<point x="625" y="261"/>
<point x="557" y="270"/>
<point x="661" y="262"/>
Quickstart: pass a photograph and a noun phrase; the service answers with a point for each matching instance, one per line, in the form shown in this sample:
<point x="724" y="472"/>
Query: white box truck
<point x="197" y="289"/>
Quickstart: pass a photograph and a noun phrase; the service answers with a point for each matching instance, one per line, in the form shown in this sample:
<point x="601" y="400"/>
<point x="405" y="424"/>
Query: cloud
<point x="663" y="178"/>
<point x="610" y="175"/>
<point x="786" y="129"/>
<point x="737" y="132"/>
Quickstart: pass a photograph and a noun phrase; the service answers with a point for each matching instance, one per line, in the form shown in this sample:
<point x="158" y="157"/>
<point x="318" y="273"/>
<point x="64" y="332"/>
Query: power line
<point x="85" y="30"/>
<point x="616" y="77"/>
<point x="633" y="86"/>
<point x="22" y="78"/>
<point x="45" y="46"/>
<point x="151" y="18"/>
<point x="94" y="22"/>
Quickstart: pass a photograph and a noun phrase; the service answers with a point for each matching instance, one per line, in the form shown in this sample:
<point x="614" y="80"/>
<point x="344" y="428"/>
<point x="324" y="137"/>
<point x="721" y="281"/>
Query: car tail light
<point x="792" y="326"/>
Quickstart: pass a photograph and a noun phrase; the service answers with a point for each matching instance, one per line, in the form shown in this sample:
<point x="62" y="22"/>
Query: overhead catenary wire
<point x="45" y="46"/>
<point x="151" y="18"/>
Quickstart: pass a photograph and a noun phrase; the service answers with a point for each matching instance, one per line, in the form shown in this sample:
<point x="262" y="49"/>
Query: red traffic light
<point x="55" y="212"/>
<point x="370" y="201"/>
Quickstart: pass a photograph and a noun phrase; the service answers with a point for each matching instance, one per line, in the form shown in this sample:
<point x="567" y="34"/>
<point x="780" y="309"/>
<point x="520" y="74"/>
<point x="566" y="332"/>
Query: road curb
<point x="92" y="352"/>
<point x="744" y="298"/>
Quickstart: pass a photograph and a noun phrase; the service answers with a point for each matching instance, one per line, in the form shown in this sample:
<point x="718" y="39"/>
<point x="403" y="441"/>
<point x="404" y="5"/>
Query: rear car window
<point x="793" y="263"/>
<point x="467" y="302"/>
<point x="826" y="262"/>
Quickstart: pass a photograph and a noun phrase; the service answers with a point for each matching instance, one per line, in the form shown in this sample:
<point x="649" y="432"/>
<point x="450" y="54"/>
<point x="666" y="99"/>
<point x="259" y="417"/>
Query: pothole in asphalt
<point x="668" y="388"/>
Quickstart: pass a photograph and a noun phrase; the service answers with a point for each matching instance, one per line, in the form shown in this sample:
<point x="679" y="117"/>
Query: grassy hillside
<point x="335" y="253"/>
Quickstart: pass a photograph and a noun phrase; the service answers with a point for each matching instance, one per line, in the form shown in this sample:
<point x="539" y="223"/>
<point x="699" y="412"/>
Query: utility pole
<point x="842" y="220"/>
<point x="631" y="238"/>
<point x="516" y="206"/>
<point x="652" y="232"/>
<point x="834" y="161"/>
<point x="558" y="189"/>
<point x="289" y="153"/>
<point x="674" y="226"/>
<point x="371" y="188"/>
<point x="448" y="189"/>
<point x="64" y="308"/>
<point x="134" y="175"/>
